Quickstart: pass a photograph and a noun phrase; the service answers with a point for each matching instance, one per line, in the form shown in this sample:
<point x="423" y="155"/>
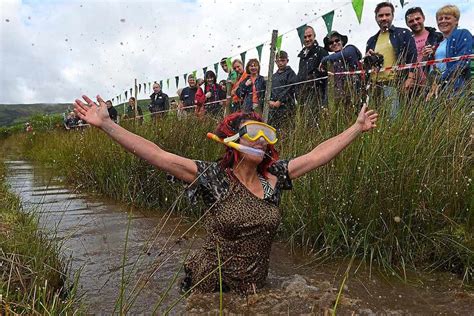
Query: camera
<point x="374" y="60"/>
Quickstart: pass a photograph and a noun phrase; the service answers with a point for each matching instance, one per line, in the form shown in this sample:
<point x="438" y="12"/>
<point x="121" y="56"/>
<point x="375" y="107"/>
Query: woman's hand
<point x="366" y="119"/>
<point x="95" y="115"/>
<point x="248" y="83"/>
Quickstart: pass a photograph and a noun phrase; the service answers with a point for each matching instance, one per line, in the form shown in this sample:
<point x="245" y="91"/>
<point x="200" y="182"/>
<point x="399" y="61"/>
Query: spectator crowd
<point x="244" y="88"/>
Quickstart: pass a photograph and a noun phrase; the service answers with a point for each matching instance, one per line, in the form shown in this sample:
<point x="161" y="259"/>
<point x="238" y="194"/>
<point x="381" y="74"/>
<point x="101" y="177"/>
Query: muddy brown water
<point x="94" y="230"/>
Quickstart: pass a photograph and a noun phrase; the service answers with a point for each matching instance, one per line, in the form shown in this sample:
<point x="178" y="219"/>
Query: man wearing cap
<point x="343" y="58"/>
<point x="310" y="58"/>
<point x="282" y="101"/>
<point x="396" y="45"/>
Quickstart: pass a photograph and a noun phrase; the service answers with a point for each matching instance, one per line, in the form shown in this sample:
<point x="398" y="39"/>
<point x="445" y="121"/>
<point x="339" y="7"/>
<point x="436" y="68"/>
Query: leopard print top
<point x="240" y="229"/>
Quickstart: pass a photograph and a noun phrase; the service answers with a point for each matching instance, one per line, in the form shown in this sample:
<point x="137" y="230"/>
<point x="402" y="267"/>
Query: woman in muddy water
<point x="242" y="190"/>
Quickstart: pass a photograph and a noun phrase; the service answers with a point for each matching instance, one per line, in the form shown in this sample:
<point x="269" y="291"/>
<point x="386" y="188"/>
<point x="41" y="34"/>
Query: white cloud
<point x="55" y="51"/>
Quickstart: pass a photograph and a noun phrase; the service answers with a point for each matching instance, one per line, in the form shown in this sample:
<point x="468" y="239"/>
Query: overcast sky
<point x="57" y="50"/>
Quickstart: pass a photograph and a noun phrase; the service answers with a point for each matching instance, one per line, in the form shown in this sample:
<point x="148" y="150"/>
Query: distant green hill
<point x="11" y="114"/>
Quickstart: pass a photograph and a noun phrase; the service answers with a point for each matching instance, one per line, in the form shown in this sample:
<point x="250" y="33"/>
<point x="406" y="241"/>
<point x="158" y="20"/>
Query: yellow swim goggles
<point x="253" y="130"/>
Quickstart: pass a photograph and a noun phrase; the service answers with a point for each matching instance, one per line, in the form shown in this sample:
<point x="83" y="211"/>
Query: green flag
<point x="177" y="81"/>
<point x="203" y="72"/>
<point x="168" y="83"/>
<point x="228" y="62"/>
<point x="242" y="56"/>
<point x="402" y="2"/>
<point x="185" y="76"/>
<point x="259" y="51"/>
<point x="301" y="30"/>
<point x="194" y="73"/>
<point x="161" y="84"/>
<point x="131" y="90"/>
<point x="328" y="18"/>
<point x="358" y="5"/>
<point x="144" y="87"/>
<point x="278" y="43"/>
<point x="126" y="94"/>
<point x="139" y="88"/>
<point x="149" y="86"/>
<point x="216" y="68"/>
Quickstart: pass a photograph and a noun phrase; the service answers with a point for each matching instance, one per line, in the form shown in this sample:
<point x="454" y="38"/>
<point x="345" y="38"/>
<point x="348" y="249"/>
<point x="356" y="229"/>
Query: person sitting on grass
<point x="243" y="191"/>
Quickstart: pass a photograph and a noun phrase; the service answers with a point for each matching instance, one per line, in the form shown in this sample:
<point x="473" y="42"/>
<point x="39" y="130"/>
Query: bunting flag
<point x="228" y="62"/>
<point x="149" y="86"/>
<point x="126" y="93"/>
<point x="328" y="18"/>
<point x="242" y="56"/>
<point x="113" y="100"/>
<point x="185" y="76"/>
<point x="259" y="51"/>
<point x="278" y="43"/>
<point x="131" y="92"/>
<point x="203" y="72"/>
<point x="358" y="5"/>
<point x="194" y="74"/>
<point x="216" y="68"/>
<point x="144" y="87"/>
<point x="177" y="81"/>
<point x="301" y="30"/>
<point x="402" y="2"/>
<point x="139" y="88"/>
<point x="168" y="83"/>
<point x="161" y="84"/>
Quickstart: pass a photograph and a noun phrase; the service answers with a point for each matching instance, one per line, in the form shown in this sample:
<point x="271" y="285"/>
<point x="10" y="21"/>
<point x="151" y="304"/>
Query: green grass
<point x="399" y="197"/>
<point x="32" y="273"/>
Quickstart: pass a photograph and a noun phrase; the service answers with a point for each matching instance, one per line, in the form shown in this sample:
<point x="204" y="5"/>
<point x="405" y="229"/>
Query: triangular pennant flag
<point x="126" y="93"/>
<point x="194" y="74"/>
<point x="242" y="56"/>
<point x="216" y="68"/>
<point x="139" y="88"/>
<point x="328" y="18"/>
<point x="278" y="42"/>
<point x="177" y="81"/>
<point x="259" y="51"/>
<point x="228" y="62"/>
<point x="185" y="76"/>
<point x="144" y="87"/>
<point x="161" y="84"/>
<point x="131" y="92"/>
<point x="358" y="5"/>
<point x="113" y="100"/>
<point x="168" y="83"/>
<point x="300" y="31"/>
<point x="149" y="86"/>
<point x="204" y="71"/>
<point x="402" y="2"/>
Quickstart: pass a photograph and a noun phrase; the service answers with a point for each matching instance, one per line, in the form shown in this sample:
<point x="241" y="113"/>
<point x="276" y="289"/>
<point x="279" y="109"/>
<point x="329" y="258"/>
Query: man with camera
<point x="397" y="46"/>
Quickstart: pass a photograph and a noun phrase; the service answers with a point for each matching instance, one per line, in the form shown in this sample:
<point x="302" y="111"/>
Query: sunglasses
<point x="253" y="130"/>
<point x="337" y="40"/>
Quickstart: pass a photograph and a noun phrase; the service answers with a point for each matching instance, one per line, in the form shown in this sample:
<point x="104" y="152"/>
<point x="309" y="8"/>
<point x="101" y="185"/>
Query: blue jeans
<point x="391" y="94"/>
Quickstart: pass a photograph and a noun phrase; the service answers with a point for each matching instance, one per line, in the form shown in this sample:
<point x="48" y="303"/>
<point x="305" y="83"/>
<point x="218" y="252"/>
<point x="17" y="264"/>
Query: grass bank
<point x="32" y="272"/>
<point x="399" y="197"/>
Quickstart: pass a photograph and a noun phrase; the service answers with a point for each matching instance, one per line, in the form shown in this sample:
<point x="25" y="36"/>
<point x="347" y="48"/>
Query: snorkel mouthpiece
<point x="239" y="147"/>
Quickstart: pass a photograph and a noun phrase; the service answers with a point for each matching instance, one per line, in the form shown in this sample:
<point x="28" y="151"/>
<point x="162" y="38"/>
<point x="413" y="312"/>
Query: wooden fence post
<point x="268" y="90"/>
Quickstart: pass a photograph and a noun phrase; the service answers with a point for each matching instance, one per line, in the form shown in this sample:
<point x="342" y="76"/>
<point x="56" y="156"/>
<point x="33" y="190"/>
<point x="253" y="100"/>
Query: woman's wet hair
<point x="229" y="127"/>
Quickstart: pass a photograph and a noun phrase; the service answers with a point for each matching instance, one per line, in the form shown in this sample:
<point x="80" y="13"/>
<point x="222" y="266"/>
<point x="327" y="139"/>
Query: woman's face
<point x="131" y="102"/>
<point x="210" y="80"/>
<point x="446" y="23"/>
<point x="261" y="144"/>
<point x="239" y="68"/>
<point x="254" y="69"/>
<point x="335" y="44"/>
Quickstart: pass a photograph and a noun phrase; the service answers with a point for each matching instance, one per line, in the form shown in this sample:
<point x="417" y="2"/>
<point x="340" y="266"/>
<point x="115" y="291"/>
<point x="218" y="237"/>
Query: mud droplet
<point x="7" y="20"/>
<point x="121" y="43"/>
<point x="122" y="20"/>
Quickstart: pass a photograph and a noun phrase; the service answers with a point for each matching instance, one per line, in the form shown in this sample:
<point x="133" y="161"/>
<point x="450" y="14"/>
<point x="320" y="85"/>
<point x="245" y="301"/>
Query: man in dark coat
<point x="310" y="58"/>
<point x="159" y="102"/>
<point x="282" y="101"/>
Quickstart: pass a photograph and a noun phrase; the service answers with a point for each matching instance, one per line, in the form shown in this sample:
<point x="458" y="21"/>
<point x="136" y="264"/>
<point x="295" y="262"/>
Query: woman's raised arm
<point x="98" y="116"/>
<point x="327" y="150"/>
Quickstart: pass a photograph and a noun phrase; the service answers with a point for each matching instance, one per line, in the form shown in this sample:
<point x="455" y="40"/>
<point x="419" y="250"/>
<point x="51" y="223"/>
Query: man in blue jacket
<point x="397" y="46"/>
